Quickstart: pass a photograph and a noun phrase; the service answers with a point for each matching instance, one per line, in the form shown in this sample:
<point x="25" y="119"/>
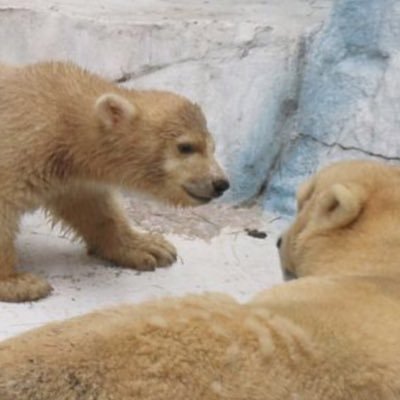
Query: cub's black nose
<point x="279" y="243"/>
<point x="220" y="186"/>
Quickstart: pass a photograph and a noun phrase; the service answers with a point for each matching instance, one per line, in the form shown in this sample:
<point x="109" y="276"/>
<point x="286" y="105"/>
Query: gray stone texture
<point x="349" y="98"/>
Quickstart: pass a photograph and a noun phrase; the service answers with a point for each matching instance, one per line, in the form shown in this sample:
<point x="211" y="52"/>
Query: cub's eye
<point x="186" y="148"/>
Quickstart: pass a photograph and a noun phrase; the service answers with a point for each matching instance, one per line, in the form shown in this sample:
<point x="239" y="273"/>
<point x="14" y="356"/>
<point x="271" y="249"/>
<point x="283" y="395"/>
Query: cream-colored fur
<point x="314" y="339"/>
<point x="68" y="137"/>
<point x="318" y="338"/>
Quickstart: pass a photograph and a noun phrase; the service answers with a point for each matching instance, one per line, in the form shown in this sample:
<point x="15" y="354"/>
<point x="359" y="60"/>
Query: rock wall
<point x="349" y="100"/>
<point x="287" y="85"/>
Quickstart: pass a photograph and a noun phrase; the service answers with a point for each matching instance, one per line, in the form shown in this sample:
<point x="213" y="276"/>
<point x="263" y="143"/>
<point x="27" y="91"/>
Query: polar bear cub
<point x="69" y="137"/>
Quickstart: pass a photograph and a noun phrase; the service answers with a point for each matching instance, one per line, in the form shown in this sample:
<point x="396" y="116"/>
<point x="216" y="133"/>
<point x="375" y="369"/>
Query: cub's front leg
<point x="96" y="216"/>
<point x="140" y="251"/>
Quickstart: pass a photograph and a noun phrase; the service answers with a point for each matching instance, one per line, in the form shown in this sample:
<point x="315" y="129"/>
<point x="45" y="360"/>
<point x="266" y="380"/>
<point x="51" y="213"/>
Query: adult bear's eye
<point x="186" y="148"/>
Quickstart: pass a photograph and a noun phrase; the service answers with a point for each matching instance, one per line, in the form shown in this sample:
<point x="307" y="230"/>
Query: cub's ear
<point x="304" y="192"/>
<point x="339" y="206"/>
<point x="114" y="110"/>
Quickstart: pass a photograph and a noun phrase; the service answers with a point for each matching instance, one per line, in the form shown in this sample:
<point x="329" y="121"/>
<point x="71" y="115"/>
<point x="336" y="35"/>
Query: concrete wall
<point x="287" y="85"/>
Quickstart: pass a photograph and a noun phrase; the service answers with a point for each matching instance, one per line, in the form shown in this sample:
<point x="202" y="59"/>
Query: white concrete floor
<point x="227" y="259"/>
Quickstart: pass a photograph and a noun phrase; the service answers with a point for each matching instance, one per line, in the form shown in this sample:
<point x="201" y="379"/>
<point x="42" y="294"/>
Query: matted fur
<point x="68" y="138"/>
<point x="318" y="338"/>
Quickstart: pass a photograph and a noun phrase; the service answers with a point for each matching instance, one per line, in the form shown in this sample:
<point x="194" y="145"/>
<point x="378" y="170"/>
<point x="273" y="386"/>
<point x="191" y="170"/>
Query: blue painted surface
<point x="346" y="65"/>
<point x="343" y="99"/>
<point x="298" y="163"/>
<point x="249" y="167"/>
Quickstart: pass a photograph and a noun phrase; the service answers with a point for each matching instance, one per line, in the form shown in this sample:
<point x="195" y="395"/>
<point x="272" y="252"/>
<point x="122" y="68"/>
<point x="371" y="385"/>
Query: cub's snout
<point x="204" y="190"/>
<point x="220" y="186"/>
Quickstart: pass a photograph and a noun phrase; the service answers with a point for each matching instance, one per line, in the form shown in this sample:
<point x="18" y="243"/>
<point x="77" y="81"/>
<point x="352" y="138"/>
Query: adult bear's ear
<point x="114" y="110"/>
<point x="304" y="192"/>
<point x="338" y="206"/>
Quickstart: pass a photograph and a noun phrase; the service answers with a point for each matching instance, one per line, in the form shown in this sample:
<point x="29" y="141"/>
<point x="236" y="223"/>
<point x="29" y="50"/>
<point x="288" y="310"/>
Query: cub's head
<point x="347" y="222"/>
<point x="158" y="143"/>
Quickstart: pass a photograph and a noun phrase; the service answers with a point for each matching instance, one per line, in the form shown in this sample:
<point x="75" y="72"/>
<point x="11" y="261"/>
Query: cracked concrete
<point x="362" y="152"/>
<point x="228" y="50"/>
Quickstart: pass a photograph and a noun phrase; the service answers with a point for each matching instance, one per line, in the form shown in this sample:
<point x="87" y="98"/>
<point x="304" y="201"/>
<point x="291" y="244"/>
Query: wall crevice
<point x="345" y="148"/>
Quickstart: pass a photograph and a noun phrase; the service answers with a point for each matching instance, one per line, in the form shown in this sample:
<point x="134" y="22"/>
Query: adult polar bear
<point x="67" y="137"/>
<point x="332" y="335"/>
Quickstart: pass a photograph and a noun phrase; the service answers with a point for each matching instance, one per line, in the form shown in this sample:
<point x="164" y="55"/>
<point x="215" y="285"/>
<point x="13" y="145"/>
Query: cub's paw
<point x="143" y="252"/>
<point x="23" y="286"/>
